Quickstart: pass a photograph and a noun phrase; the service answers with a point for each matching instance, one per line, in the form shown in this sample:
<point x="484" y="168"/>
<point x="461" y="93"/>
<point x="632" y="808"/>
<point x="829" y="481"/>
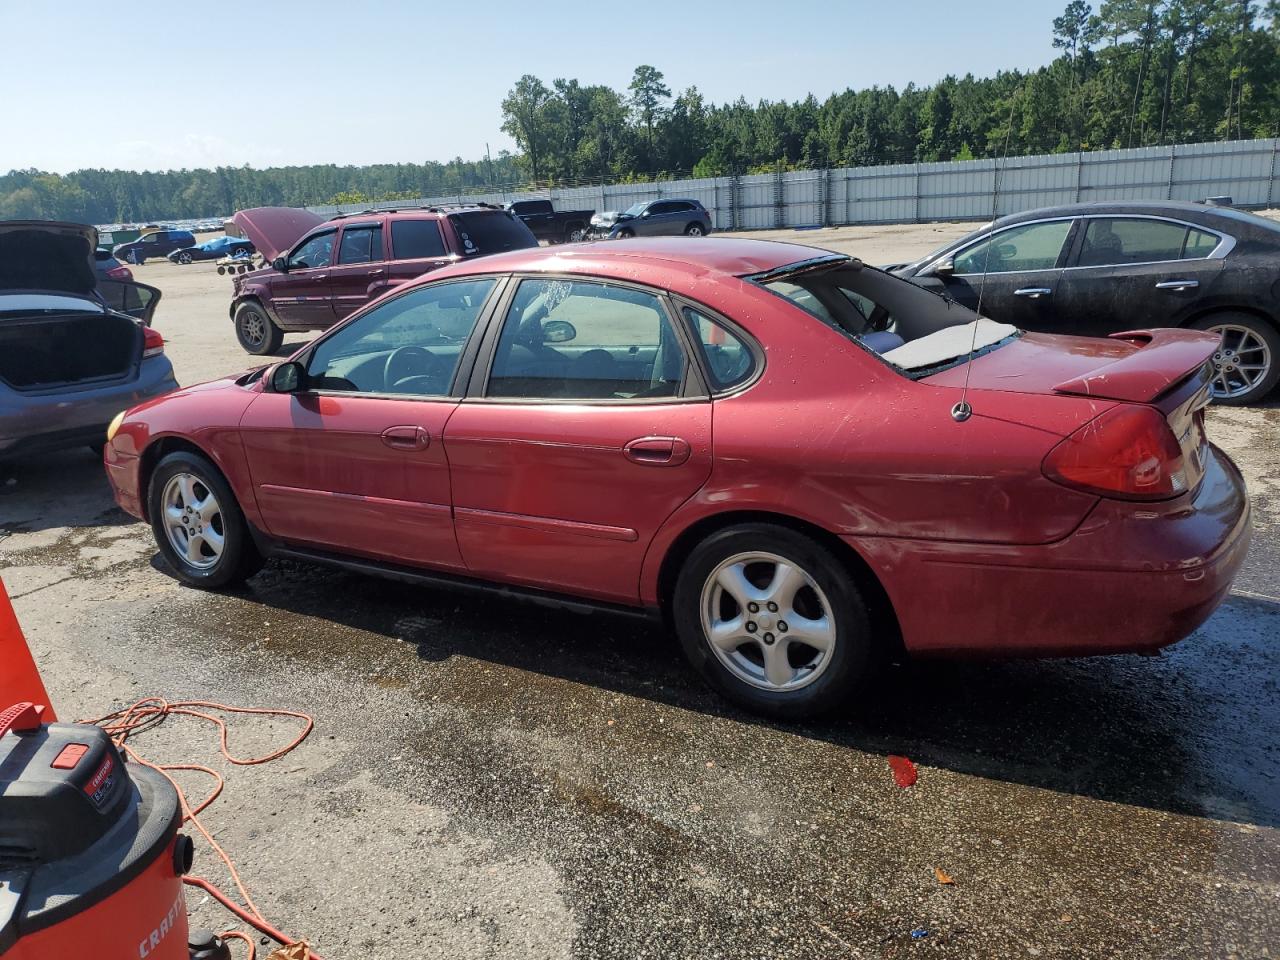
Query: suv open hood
<point x="274" y="230"/>
<point x="48" y="256"/>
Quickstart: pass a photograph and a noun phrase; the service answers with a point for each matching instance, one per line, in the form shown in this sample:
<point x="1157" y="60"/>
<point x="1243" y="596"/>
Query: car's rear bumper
<point x="37" y="423"/>
<point x="1133" y="577"/>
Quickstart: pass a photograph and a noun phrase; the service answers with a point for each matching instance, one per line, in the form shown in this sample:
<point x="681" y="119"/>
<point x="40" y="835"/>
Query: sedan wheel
<point x="768" y="621"/>
<point x="773" y="621"/>
<point x="197" y="523"/>
<point x="1245" y="363"/>
<point x="184" y="258"/>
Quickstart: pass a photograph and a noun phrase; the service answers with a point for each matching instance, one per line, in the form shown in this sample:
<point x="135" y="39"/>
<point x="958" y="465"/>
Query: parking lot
<point x="495" y="779"/>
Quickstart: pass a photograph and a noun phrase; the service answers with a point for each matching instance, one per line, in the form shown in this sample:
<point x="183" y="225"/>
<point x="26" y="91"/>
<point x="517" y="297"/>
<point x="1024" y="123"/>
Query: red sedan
<point x="802" y="462"/>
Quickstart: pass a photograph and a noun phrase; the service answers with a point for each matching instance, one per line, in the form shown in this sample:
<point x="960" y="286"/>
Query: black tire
<point x="695" y="229"/>
<point x="256" y="331"/>
<point x="184" y="257"/>
<point x="626" y="233"/>
<point x="851" y="659"/>
<point x="239" y="557"/>
<point x="575" y="233"/>
<point x="1266" y="335"/>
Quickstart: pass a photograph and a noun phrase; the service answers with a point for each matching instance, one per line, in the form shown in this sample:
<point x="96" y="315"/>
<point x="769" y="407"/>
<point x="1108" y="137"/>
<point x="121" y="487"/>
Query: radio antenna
<point x="962" y="411"/>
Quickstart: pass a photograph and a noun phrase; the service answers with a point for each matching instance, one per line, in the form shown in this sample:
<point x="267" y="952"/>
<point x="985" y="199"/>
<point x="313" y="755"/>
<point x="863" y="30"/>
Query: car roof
<point x="425" y="213"/>
<point x="657" y="260"/>
<point x="1179" y="209"/>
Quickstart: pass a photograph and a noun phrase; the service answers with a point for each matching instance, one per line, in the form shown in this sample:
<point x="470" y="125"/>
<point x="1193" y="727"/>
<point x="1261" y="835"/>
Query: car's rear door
<point x="584" y="428"/>
<point x="417" y="247"/>
<point x="360" y="269"/>
<point x="353" y="462"/>
<point x="302" y="297"/>
<point x="1014" y="273"/>
<point x="1131" y="272"/>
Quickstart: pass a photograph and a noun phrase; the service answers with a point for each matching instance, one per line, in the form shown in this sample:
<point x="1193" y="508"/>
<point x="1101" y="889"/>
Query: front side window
<point x="416" y="240"/>
<point x="360" y="245"/>
<point x="314" y="252"/>
<point x="1113" y="241"/>
<point x="583" y="340"/>
<point x="409" y="345"/>
<point x="729" y="360"/>
<point x="1032" y="246"/>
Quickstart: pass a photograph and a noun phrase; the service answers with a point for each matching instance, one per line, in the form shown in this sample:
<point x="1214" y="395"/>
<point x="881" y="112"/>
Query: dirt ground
<point x="497" y="780"/>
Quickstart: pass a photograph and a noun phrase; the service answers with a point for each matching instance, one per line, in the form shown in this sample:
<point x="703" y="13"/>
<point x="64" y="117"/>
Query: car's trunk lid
<point x="1136" y="367"/>
<point x="274" y="230"/>
<point x="48" y="256"/>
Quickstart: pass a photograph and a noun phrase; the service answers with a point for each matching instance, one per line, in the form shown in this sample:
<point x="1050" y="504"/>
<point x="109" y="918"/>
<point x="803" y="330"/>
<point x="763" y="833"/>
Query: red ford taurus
<point x="802" y="462"/>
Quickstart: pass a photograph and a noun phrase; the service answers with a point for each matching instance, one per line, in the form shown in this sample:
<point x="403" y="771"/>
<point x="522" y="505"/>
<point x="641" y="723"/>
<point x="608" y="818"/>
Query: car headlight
<point x="114" y="425"/>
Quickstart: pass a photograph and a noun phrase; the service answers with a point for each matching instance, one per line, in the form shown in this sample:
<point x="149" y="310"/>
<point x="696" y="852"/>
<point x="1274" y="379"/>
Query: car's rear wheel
<point x="695" y="230"/>
<point x="184" y="257"/>
<point x="1247" y="362"/>
<point x="197" y="523"/>
<point x="256" y="331"/>
<point x="575" y="234"/>
<point x="773" y="621"/>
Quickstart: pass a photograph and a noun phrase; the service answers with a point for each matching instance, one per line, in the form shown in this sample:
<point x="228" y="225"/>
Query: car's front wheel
<point x="184" y="257"/>
<point x="626" y="233"/>
<point x="1247" y="362"/>
<point x="773" y="621"/>
<point x="197" y="523"/>
<point x="256" y="331"/>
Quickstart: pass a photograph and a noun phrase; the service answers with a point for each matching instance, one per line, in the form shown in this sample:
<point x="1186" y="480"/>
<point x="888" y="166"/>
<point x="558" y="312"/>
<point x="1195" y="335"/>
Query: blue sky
<point x="137" y="85"/>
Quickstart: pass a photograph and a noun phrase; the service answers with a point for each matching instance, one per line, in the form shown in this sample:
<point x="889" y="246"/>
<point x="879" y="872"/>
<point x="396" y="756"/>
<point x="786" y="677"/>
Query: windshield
<point x="916" y="331"/>
<point x="635" y="209"/>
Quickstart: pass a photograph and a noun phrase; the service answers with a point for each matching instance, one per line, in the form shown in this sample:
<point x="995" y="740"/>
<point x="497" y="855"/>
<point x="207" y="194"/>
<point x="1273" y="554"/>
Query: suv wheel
<point x="197" y="523"/>
<point x="773" y="621"/>
<point x="256" y="332"/>
<point x="575" y="234"/>
<point x="1247" y="362"/>
<point x="695" y="230"/>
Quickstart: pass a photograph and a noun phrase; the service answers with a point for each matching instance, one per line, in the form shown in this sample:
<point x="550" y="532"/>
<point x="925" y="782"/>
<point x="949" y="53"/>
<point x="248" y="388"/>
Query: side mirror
<point x="280" y="265"/>
<point x="944" y="268"/>
<point x="645" y="214"/>
<point x="288" y="377"/>
<point x="558" y="331"/>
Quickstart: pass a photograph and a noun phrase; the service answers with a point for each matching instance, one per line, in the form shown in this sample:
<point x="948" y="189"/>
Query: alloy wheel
<point x="1241" y="361"/>
<point x="184" y="258"/>
<point x="193" y="521"/>
<point x="254" y="328"/>
<point x="767" y="620"/>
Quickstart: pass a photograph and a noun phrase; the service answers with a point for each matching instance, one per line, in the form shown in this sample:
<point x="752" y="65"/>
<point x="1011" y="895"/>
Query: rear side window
<point x="416" y="240"/>
<point x="1200" y="244"/>
<point x="491" y="231"/>
<point x="361" y="245"/>
<point x="729" y="360"/>
<point x="1111" y="241"/>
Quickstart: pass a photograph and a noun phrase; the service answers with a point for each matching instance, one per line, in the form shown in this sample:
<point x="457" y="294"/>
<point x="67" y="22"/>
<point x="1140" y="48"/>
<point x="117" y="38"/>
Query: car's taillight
<point x="1128" y="452"/>
<point x="120" y="273"/>
<point x="152" y="342"/>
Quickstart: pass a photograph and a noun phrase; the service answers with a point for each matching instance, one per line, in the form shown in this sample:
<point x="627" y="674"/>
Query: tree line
<point x="1133" y="73"/>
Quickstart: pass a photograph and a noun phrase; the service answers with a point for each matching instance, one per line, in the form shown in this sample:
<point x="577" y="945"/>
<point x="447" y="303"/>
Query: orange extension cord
<point x="151" y="711"/>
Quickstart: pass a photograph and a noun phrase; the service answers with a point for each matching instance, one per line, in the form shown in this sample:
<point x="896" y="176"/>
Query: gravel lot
<point x="492" y="779"/>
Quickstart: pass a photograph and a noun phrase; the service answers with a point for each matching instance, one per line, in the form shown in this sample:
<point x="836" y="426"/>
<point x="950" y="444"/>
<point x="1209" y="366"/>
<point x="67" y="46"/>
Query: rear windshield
<point x="884" y="313"/>
<point x="491" y="231"/>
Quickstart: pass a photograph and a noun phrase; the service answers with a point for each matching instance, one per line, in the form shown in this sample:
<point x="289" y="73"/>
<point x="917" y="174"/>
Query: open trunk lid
<point x="48" y="256"/>
<point x="1135" y="367"/>
<point x="274" y="230"/>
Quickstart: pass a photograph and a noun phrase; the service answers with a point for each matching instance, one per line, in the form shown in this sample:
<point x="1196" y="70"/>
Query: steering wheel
<point x="412" y="362"/>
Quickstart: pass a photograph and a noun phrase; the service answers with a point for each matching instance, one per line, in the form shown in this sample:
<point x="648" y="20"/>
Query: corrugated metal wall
<point x="1245" y="170"/>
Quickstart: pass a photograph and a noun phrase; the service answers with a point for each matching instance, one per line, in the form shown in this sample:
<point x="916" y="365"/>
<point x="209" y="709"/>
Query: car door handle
<point x="320" y="276"/>
<point x="375" y="273"/>
<point x="406" y="438"/>
<point x="1033" y="293"/>
<point x="1177" y="284"/>
<point x="657" y="451"/>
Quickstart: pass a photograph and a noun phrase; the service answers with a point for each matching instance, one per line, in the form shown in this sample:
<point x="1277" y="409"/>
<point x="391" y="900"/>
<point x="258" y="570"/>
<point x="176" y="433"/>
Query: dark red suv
<point x="322" y="270"/>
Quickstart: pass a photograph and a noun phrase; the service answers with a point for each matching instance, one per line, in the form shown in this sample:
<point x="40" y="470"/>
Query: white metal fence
<point x="1245" y="170"/>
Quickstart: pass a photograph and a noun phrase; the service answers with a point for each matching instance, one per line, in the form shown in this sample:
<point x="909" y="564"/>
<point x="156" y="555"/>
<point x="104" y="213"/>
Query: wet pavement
<point x="493" y="779"/>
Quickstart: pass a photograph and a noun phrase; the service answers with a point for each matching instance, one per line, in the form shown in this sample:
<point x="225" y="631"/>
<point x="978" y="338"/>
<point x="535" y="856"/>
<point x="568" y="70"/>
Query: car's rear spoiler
<point x="1164" y="358"/>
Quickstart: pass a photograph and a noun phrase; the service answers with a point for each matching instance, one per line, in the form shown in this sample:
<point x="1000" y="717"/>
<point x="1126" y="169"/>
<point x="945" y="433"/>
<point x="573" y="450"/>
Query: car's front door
<point x="590" y="429"/>
<point x="353" y="461"/>
<point x="657" y="220"/>
<point x="302" y="297"/>
<point x="1129" y="273"/>
<point x="360" y="270"/>
<point x="1014" y="273"/>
